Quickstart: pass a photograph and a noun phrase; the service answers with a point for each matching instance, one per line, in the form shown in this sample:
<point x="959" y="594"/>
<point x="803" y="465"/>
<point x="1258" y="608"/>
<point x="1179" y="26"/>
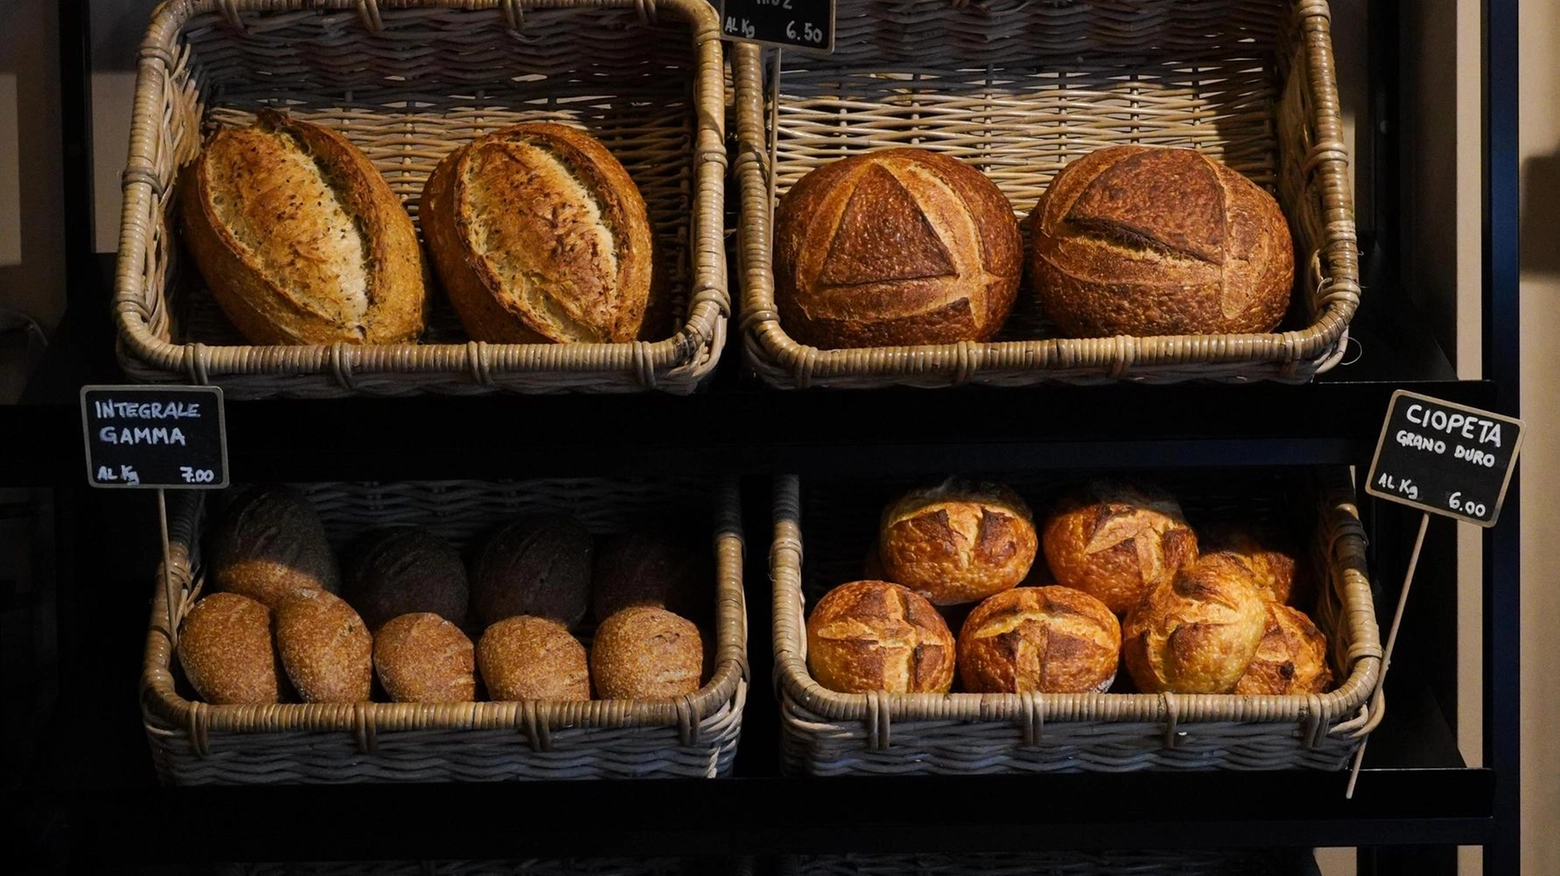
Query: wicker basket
<point x="408" y="81"/>
<point x="529" y="867"/>
<point x="829" y="733"/>
<point x="1018" y="89"/>
<point x="1260" y="862"/>
<point x="691" y="736"/>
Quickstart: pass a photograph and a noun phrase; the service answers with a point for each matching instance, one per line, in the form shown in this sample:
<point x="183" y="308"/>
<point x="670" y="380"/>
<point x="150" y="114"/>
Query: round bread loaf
<point x="539" y="234"/>
<point x="643" y="652"/>
<point x="899" y="246"/>
<point x="1291" y="659"/>
<point x="423" y="658"/>
<point x="872" y="635"/>
<point x="325" y="647"/>
<point x="960" y="541"/>
<point x="405" y="571"/>
<point x="269" y="545"/>
<point x="538" y="565"/>
<point x="1268" y="554"/>
<point x="650" y="569"/>
<point x="1138" y="240"/>
<point x="1116" y="541"/>
<point x="225" y="649"/>
<point x="1040" y="639"/>
<point x="1197" y="632"/>
<point x="532" y="658"/>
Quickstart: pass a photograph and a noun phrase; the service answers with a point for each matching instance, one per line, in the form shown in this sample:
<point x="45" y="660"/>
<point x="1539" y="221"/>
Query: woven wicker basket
<point x="1018" y="89"/>
<point x="408" y="81"/>
<point x="530" y="867"/>
<point x="692" y="736"/>
<point x="1261" y="862"/>
<point x="829" y="733"/>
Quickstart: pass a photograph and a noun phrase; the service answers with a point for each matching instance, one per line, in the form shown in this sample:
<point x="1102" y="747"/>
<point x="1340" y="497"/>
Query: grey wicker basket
<point x="1018" y="89"/>
<point x="829" y="733"/>
<point x="408" y="81"/>
<point x="1218" y="862"/>
<point x="693" y="736"/>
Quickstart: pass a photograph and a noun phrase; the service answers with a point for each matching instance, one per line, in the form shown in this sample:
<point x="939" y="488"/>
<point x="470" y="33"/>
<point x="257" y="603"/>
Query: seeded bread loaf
<point x="226" y="652"/>
<point x="403" y="571"/>
<point x="423" y="658"/>
<point x="269" y="544"/>
<point x="532" y="658"/>
<point x="326" y="649"/>
<point x="643" y="652"/>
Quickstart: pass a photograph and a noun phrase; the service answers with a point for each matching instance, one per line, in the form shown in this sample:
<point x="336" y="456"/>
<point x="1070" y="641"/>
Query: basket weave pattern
<point x="408" y="81"/>
<point x="691" y="736"/>
<point x="828" y="733"/>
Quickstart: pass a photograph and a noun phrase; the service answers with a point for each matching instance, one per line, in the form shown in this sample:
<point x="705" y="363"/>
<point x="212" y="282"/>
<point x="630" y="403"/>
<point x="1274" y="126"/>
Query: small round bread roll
<point x="960" y="541"/>
<point x="1197" y="632"/>
<point x="1270" y="556"/>
<point x="872" y="635"/>
<point x="650" y="569"/>
<point x="1041" y="639"/>
<point x="532" y="658"/>
<point x="423" y="658"/>
<point x="225" y="649"/>
<point x="643" y="652"/>
<point x="269" y="545"/>
<point x="325" y="647"/>
<point x="1116" y="541"/>
<point x="405" y="571"/>
<point x="1292" y="658"/>
<point x="538" y="565"/>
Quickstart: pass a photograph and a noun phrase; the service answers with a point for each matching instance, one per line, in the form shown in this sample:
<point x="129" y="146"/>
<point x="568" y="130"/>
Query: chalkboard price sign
<point x="1444" y="458"/>
<point x="805" y="24"/>
<point x="155" y="437"/>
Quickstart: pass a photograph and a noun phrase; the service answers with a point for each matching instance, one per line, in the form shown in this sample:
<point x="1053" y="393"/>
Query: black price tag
<point x="1444" y="458"/>
<point x="163" y="436"/>
<point x="805" y="24"/>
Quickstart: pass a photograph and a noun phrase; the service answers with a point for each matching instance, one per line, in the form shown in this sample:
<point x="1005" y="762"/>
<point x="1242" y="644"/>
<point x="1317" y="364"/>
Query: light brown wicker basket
<point x="692" y="736"/>
<point x="527" y="867"/>
<point x="1260" y="862"/>
<point x="1018" y="89"/>
<point x="408" y="81"/>
<point x="829" y="733"/>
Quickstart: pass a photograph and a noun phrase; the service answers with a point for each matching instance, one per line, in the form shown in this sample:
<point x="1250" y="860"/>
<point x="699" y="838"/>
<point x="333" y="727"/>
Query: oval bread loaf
<point x="226" y="651"/>
<point x="269" y="544"/>
<point x="1116" y="541"/>
<point x="407" y="570"/>
<point x="1040" y="639"/>
<point x="423" y="658"/>
<point x="655" y="569"/>
<point x="326" y="649"/>
<point x="960" y="541"/>
<point x="532" y="658"/>
<point x="538" y="565"/>
<point x="643" y="652"/>
<point x="873" y="635"/>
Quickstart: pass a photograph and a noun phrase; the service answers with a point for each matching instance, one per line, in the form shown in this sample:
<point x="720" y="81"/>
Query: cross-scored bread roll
<point x="423" y="658"/>
<point x="325" y="647"/>
<point x="644" y="652"/>
<point x="1198" y="632"/>
<point x="225" y="649"/>
<point x="1041" y="639"/>
<point x="269" y="545"/>
<point x="406" y="570"/>
<point x="872" y="635"/>
<point x="532" y="658"/>
<point x="1270" y="556"/>
<point x="1116" y="541"/>
<point x="538" y="565"/>
<point x="1291" y="659"/>
<point x="960" y="541"/>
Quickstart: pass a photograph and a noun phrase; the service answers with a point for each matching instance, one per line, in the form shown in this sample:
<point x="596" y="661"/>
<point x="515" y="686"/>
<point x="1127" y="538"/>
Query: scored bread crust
<point x="1116" y="541"/>
<point x="1042" y="639"/>
<point x="1198" y="632"/>
<point x="552" y="196"/>
<point x="272" y="280"/>
<point x="960" y="541"/>
<point x="874" y="635"/>
<point x="1291" y="659"/>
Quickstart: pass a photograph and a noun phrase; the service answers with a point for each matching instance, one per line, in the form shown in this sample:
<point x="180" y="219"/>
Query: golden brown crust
<point x="1266" y="551"/>
<point x="532" y="658"/>
<point x="538" y="565"/>
<point x="1116" y="540"/>
<point x="899" y="246"/>
<point x="403" y="571"/>
<point x="960" y="541"/>
<point x="1137" y="240"/>
<point x="300" y="238"/>
<point x="539" y="234"/>
<point x="226" y="651"/>
<point x="326" y="649"/>
<point x="423" y="658"/>
<point x="654" y="569"/>
<point x="269" y="544"/>
<point x="643" y="652"/>
<point x="1041" y="639"/>
<point x="873" y="635"/>
<point x="1291" y="659"/>
<point x="1198" y="632"/>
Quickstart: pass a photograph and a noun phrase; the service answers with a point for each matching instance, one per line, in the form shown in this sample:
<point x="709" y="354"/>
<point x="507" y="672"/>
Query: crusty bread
<point x="300" y="239"/>
<point x="873" y="635"/>
<point x="1197" y="632"/>
<point x="326" y="649"/>
<point x="959" y="541"/>
<point x="405" y="570"/>
<point x="539" y="234"/>
<point x="1291" y="659"/>
<point x="898" y="246"/>
<point x="225" y="649"/>
<point x="269" y="544"/>
<point x="1137" y="240"/>
<point x="1267" y="551"/>
<point x="643" y="652"/>
<point x="650" y="568"/>
<point x="532" y="658"/>
<point x="1041" y="639"/>
<point x="1116" y="540"/>
<point x="423" y="658"/>
<point x="538" y="565"/>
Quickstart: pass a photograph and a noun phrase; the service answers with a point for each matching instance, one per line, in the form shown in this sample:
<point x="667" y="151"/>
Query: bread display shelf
<point x="693" y="736"/>
<point x="407" y="82"/>
<point x="1018" y="90"/>
<point x="832" y="521"/>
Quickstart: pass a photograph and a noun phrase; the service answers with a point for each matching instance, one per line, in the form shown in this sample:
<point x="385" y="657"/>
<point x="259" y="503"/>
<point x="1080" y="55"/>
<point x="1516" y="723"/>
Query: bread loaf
<point x="1136" y="240"/>
<point x="1197" y="632"/>
<point x="1266" y="551"/>
<point x="1116" y="540"/>
<point x="873" y="635"/>
<point x="1291" y="659"/>
<point x="644" y="652"/>
<point x="423" y="658"/>
<point x="325" y="648"/>
<point x="225" y="649"/>
<point x="960" y="541"/>
<point x="538" y="565"/>
<point x="899" y="246"/>
<point x="404" y="571"/>
<point x="539" y="234"/>
<point x="300" y="238"/>
<point x="1040" y="639"/>
<point x="269" y="544"/>
<point x="532" y="658"/>
<point x="652" y="569"/>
